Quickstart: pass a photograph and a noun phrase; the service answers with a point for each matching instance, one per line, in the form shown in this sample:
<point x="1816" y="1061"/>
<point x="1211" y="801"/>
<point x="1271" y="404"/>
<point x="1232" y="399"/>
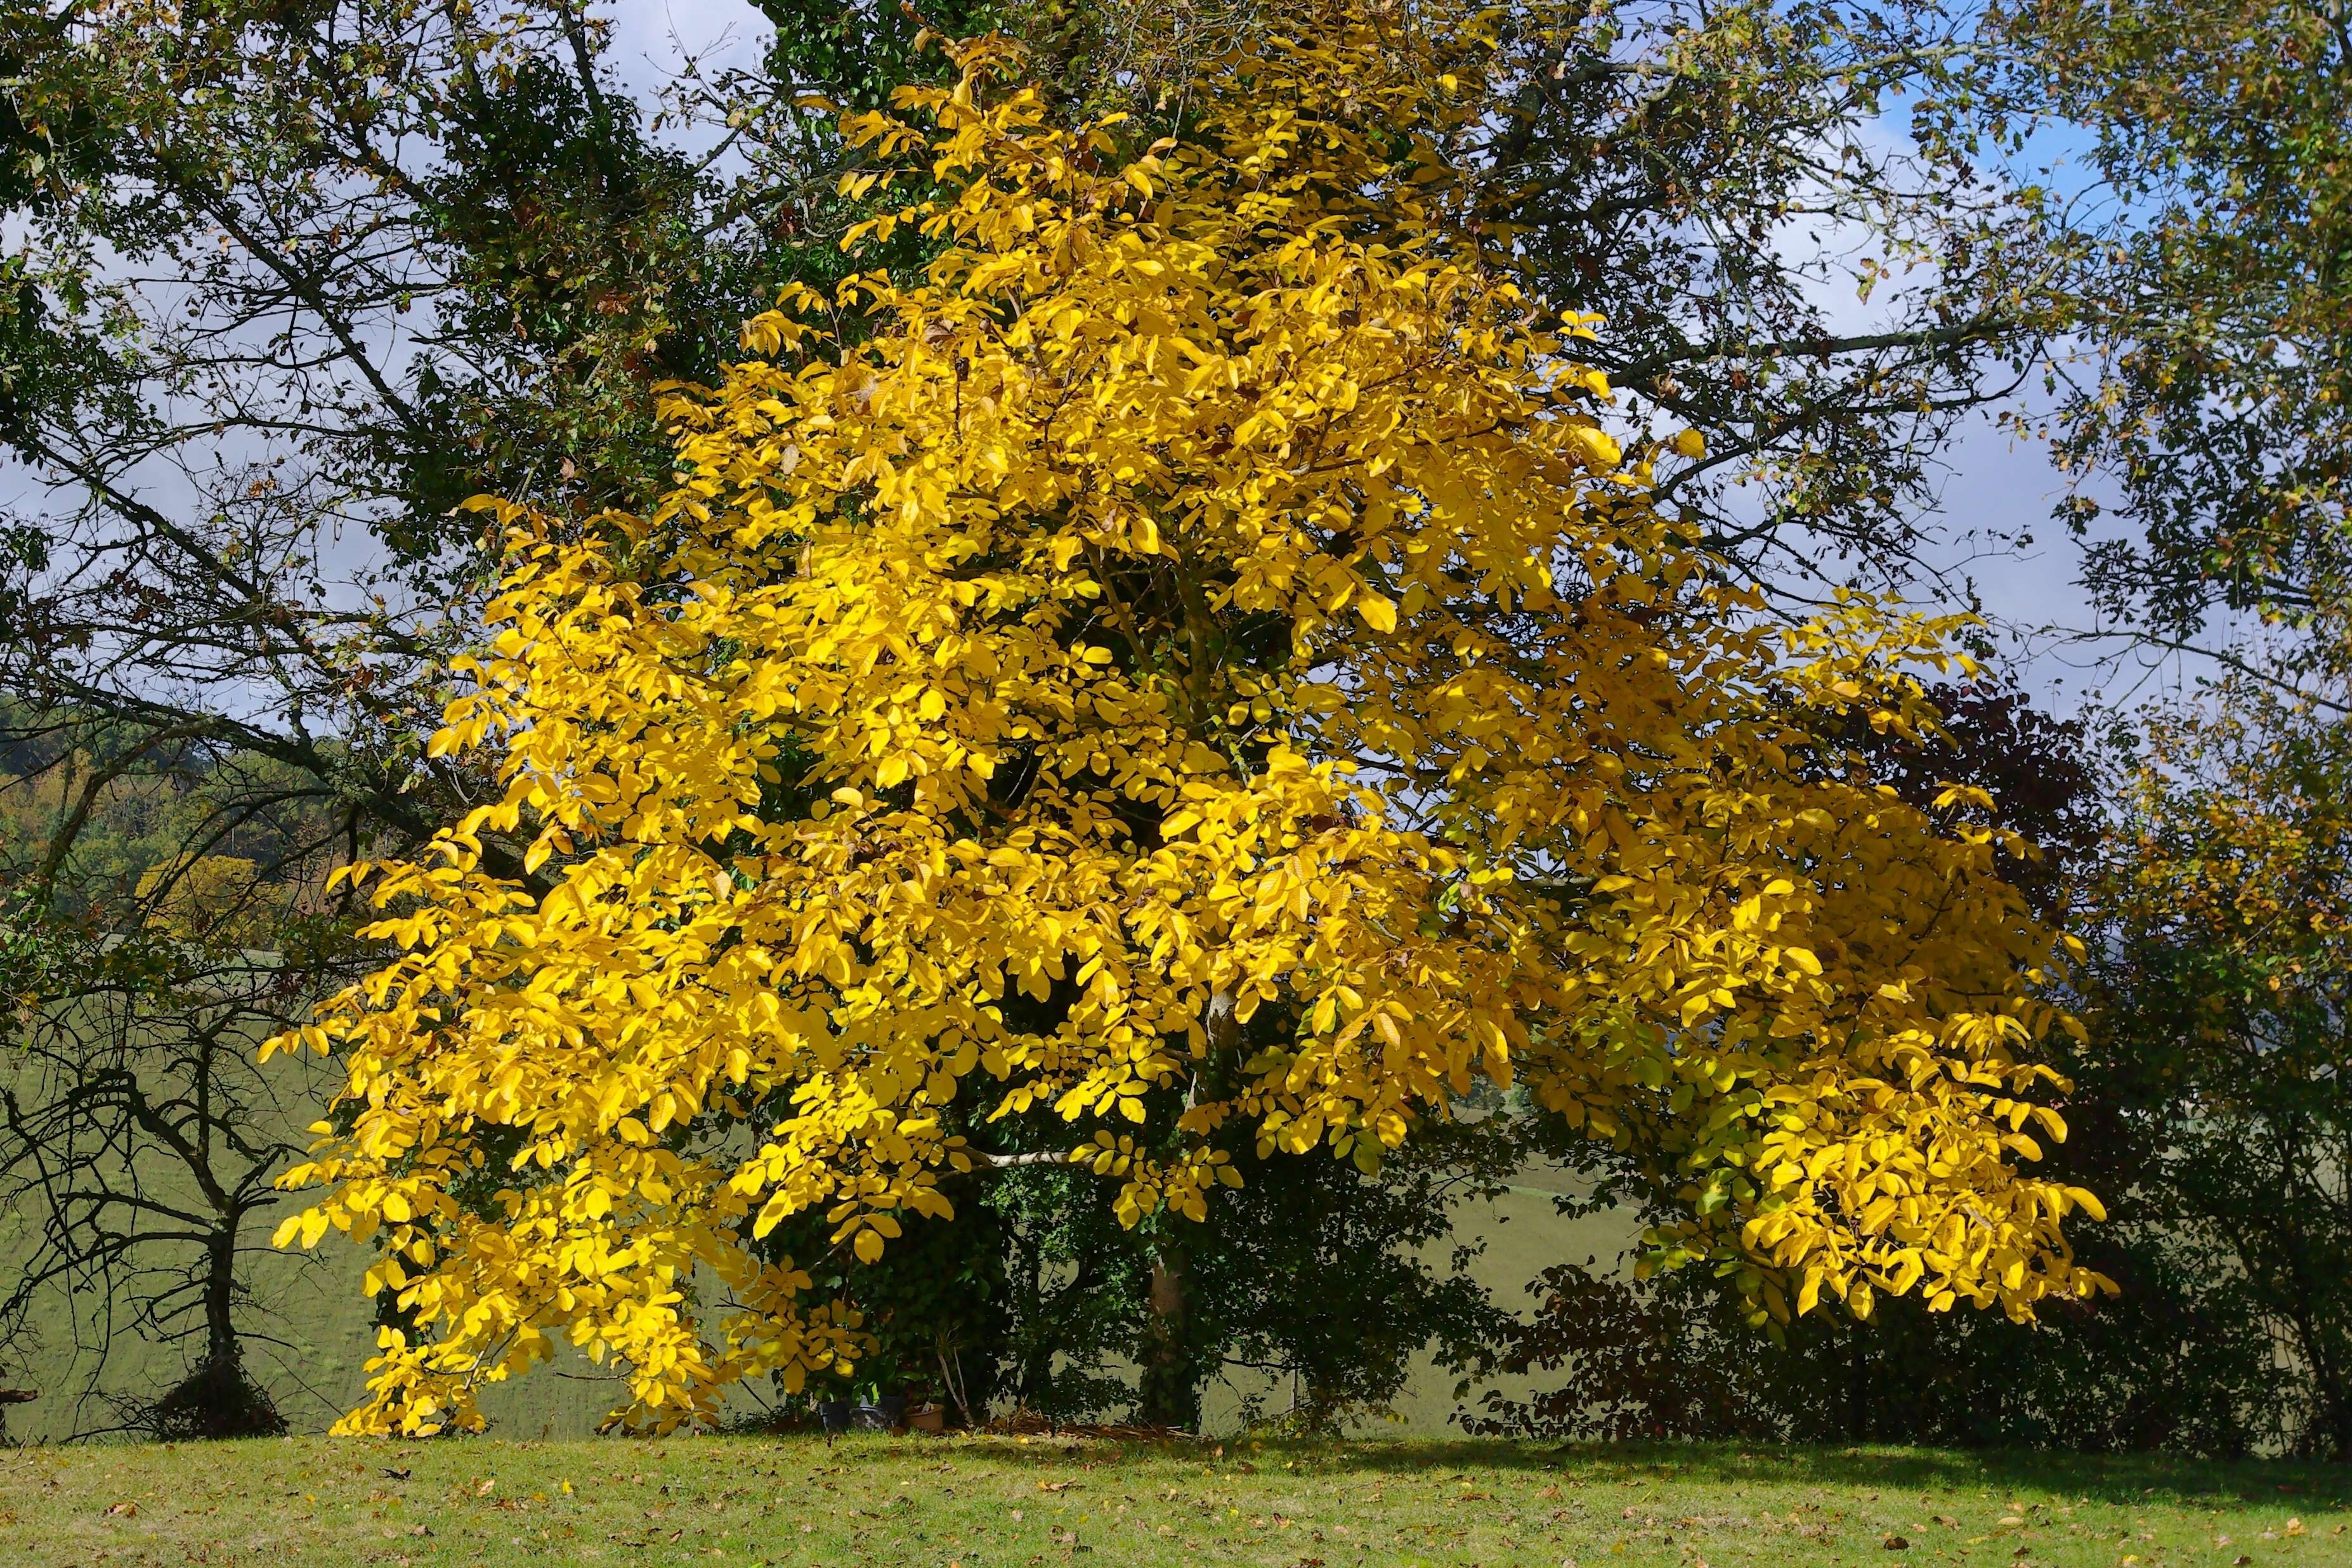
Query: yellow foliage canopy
<point x="1193" y="660"/>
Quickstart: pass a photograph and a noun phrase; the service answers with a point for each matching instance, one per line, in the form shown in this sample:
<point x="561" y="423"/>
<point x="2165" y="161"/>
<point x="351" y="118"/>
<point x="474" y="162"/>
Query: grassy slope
<point x="973" y="1502"/>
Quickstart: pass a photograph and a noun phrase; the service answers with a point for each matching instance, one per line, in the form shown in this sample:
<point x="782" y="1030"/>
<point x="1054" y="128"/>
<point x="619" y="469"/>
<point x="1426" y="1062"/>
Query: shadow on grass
<point x="2115" y="1479"/>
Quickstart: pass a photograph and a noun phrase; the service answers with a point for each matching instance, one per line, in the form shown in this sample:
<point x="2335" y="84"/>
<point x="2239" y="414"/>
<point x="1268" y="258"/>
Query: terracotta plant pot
<point x="929" y="1418"/>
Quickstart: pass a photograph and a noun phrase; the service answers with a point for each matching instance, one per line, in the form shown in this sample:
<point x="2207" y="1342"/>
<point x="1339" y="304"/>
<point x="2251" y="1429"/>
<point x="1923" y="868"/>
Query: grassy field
<point x="963" y="1503"/>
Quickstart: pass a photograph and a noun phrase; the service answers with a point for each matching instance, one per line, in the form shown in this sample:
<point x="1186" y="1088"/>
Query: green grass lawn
<point x="969" y="1502"/>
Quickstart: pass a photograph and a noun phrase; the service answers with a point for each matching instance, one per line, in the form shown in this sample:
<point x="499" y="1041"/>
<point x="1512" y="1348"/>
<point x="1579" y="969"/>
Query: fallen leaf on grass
<point x="122" y="1510"/>
<point x="1896" y="1543"/>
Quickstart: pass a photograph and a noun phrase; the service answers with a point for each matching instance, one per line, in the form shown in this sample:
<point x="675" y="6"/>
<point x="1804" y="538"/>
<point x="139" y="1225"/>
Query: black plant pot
<point x="833" y="1413"/>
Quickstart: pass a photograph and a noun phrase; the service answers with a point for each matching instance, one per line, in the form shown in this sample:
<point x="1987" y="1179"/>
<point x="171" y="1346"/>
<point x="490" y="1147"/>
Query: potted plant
<point x="924" y="1412"/>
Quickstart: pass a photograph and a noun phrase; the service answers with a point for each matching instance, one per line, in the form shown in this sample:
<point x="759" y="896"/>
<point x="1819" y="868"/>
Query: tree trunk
<point x="221" y="1348"/>
<point x="1169" y="1389"/>
<point x="216" y="1399"/>
<point x="1168" y="1393"/>
<point x="1858" y="1389"/>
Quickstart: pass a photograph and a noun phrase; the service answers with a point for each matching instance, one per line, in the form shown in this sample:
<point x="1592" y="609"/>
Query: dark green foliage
<point x="935" y="1305"/>
<point x="1314" y="1289"/>
<point x="1079" y="1294"/>
<point x="2175" y="1363"/>
<point x="1333" y="1282"/>
<point x="854" y="54"/>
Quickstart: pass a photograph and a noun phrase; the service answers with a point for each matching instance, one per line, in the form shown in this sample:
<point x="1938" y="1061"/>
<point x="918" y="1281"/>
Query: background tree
<point x="2222" y="1029"/>
<point x="139" y="1140"/>
<point x="2206" y="257"/>
<point x="1821" y="285"/>
<point x="373" y="259"/>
